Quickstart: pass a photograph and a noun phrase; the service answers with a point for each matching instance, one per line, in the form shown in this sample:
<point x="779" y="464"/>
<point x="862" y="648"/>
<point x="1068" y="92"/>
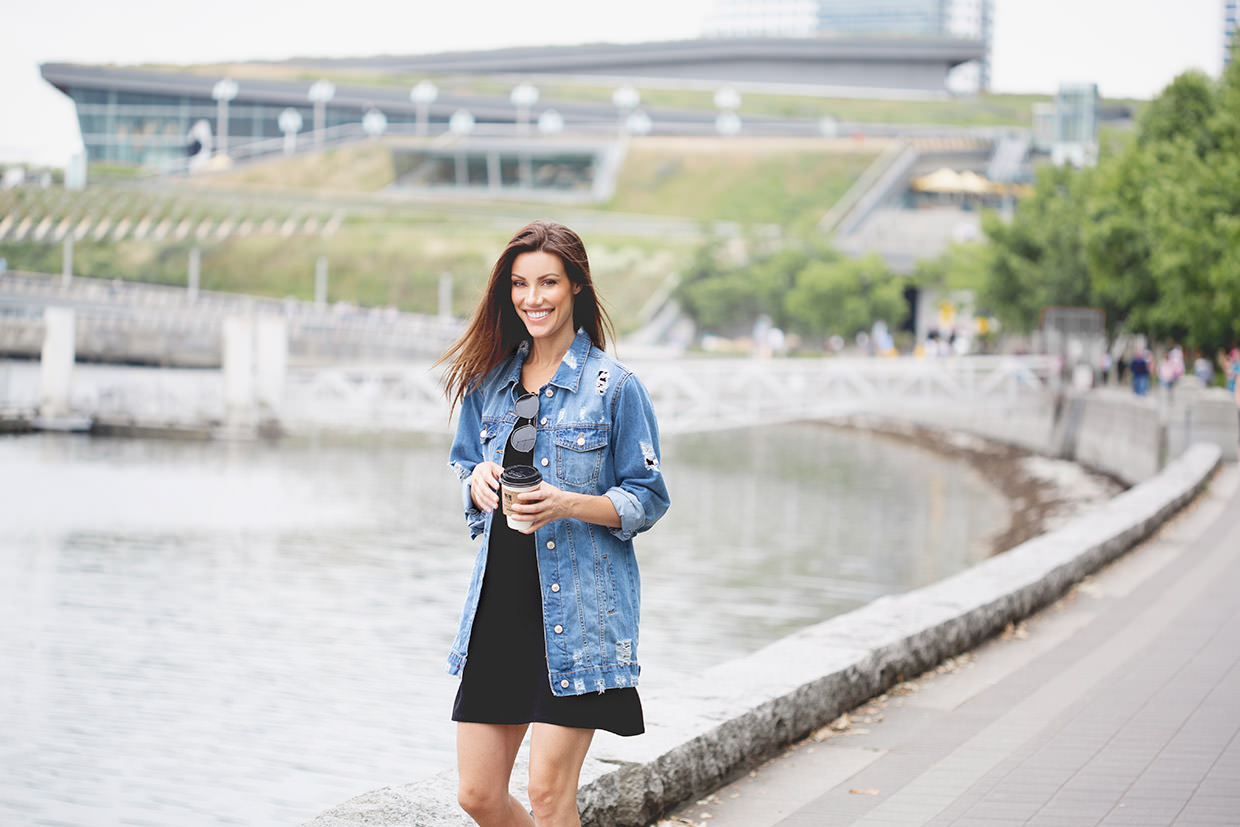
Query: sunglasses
<point x="525" y="434"/>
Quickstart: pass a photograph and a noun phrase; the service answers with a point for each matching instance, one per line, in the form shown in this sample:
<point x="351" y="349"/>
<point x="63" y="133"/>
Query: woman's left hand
<point x="545" y="504"/>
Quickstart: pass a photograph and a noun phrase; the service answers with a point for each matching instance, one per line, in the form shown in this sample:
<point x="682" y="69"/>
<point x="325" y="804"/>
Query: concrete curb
<point x="701" y="734"/>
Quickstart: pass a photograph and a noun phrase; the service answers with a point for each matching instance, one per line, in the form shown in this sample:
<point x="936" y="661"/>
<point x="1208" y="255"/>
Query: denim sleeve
<point x="466" y="453"/>
<point x="640" y="494"/>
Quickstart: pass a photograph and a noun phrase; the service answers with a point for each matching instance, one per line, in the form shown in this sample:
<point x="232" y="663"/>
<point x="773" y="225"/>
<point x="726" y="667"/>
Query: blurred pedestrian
<point x="1140" y="369"/>
<point x="1203" y="370"/>
<point x="1170" y="370"/>
<point x="1229" y="364"/>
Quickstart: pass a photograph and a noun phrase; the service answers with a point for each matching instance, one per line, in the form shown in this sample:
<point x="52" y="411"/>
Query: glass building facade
<point x="1229" y="30"/>
<point x="147" y="128"/>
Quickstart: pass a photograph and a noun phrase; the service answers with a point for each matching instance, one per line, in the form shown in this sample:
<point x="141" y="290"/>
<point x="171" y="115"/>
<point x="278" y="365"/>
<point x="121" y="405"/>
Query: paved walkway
<point x="1119" y="705"/>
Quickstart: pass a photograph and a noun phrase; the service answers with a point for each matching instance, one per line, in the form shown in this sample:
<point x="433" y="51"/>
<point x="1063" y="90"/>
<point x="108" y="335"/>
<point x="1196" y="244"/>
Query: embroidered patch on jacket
<point x="603" y="378"/>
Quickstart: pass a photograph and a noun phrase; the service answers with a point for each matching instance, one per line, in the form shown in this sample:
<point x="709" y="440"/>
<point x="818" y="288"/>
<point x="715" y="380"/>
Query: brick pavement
<point x="1120" y="705"/>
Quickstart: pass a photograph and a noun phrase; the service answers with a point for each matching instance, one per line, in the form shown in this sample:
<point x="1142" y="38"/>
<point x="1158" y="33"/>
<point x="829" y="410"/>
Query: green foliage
<point x="1038" y="259"/>
<point x="845" y="296"/>
<point x="806" y="287"/>
<point x="1151" y="235"/>
<point x="962" y="266"/>
<point x="1183" y="110"/>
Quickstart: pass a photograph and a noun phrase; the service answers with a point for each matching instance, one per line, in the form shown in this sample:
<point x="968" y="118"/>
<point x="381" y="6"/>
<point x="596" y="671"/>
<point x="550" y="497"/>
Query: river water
<point x="246" y="633"/>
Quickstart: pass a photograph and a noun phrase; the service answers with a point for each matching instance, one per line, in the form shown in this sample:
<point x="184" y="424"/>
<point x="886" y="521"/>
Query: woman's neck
<point x="543" y="360"/>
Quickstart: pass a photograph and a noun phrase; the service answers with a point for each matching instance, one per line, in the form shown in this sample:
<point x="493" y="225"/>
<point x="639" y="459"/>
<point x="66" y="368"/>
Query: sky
<point x="1130" y="48"/>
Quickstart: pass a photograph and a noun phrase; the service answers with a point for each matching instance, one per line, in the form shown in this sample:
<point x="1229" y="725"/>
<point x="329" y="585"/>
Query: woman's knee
<point x="481" y="799"/>
<point x="552" y="794"/>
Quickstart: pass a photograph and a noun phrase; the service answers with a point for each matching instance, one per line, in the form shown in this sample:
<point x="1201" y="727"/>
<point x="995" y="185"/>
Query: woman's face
<point x="543" y="294"/>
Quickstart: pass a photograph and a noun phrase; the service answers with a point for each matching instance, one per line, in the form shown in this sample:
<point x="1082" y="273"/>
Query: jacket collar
<point x="567" y="375"/>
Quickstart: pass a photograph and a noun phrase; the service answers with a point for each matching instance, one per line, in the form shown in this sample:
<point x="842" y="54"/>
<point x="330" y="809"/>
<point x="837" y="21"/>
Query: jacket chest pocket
<point x="579" y="455"/>
<point x="490" y="446"/>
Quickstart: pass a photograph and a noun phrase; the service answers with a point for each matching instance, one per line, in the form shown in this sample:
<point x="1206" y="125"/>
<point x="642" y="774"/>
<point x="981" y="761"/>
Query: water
<point x="241" y="633"/>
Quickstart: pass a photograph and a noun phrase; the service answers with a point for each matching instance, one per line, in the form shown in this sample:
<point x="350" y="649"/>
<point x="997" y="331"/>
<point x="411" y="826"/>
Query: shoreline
<point x="1043" y="493"/>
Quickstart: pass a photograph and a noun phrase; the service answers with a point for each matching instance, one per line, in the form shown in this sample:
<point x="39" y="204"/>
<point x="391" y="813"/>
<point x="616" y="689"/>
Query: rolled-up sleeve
<point x="465" y="454"/>
<point x="640" y="494"/>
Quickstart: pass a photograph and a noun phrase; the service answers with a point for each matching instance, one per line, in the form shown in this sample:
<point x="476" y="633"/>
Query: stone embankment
<point x="702" y="733"/>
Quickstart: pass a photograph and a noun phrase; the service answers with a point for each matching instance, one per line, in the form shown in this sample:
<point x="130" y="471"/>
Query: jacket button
<point x="564" y="684"/>
<point x="581" y="440"/>
<point x="484" y="433"/>
<point x="551" y="544"/>
<point x="545" y="420"/>
<point x="555" y="587"/>
<point x="544" y="462"/>
<point x="549" y="392"/>
<point x="559" y="630"/>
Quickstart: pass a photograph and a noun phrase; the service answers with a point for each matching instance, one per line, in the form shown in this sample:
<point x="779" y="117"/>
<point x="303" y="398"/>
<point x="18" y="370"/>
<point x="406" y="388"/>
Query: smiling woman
<point x="548" y="640"/>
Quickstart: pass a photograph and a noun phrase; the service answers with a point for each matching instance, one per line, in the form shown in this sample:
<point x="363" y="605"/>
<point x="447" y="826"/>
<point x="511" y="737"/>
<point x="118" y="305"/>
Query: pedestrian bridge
<point x="692" y="394"/>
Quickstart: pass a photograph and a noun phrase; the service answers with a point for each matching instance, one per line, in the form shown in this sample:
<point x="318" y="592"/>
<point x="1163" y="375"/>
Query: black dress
<point x="505" y="679"/>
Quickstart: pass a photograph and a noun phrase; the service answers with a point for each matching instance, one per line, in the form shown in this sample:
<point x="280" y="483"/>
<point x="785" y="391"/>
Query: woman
<point x="548" y="636"/>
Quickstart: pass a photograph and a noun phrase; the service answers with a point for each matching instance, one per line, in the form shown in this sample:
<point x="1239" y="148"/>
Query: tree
<point x="845" y="296"/>
<point x="1183" y="109"/>
<point x="1039" y="258"/>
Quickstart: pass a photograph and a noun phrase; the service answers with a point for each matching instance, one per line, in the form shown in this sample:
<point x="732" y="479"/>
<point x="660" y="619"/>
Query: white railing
<point x="690" y="395"/>
<point x="693" y="394"/>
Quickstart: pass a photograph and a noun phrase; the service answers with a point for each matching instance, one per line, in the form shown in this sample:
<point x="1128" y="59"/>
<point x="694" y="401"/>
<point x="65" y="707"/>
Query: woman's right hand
<point x="484" y="485"/>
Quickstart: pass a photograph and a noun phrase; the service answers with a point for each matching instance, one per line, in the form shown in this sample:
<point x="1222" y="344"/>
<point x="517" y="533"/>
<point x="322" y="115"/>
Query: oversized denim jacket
<point x="597" y="434"/>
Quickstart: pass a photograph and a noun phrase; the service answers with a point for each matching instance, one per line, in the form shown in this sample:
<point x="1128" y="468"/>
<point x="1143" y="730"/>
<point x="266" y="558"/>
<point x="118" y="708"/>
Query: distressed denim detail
<point x="601" y="437"/>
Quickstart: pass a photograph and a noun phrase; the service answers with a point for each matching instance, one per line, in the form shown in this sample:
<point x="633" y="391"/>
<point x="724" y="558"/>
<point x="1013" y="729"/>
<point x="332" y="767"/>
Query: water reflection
<point x="236" y="633"/>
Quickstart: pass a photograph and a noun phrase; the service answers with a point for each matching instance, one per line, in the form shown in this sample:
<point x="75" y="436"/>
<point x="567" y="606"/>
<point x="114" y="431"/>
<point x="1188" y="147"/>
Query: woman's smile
<point x="543" y="294"/>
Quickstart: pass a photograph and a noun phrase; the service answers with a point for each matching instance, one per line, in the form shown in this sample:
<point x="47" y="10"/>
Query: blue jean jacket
<point x="596" y="434"/>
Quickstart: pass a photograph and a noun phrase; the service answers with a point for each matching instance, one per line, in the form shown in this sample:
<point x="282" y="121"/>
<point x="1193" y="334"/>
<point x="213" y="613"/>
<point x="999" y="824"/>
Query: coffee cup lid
<point x="520" y="475"/>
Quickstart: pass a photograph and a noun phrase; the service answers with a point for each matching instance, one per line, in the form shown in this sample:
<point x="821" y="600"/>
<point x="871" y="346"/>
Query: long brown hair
<point x="496" y="330"/>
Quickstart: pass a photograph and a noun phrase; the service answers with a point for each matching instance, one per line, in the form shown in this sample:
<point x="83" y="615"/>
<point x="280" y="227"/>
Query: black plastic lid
<point x="520" y="475"/>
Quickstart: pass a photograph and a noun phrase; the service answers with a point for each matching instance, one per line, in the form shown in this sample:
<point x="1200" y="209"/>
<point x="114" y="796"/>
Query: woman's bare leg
<point x="556" y="756"/>
<point x="484" y="757"/>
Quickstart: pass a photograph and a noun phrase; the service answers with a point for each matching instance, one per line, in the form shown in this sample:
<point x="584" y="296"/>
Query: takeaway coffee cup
<point x="513" y="481"/>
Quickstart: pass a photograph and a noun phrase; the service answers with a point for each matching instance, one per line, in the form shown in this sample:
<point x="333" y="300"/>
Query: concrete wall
<point x="1108" y="429"/>
<point x="702" y="733"/>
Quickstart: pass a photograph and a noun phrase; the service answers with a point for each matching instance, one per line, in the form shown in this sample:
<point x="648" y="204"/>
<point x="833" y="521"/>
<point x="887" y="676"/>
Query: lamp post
<point x="423" y="94"/>
<point x="550" y="122"/>
<point x="638" y="123"/>
<point x="461" y="124"/>
<point x="625" y="99"/>
<point x="290" y="124"/>
<point x="523" y="96"/>
<point x="223" y="91"/>
<point x="728" y="100"/>
<point x="321" y="91"/>
<point x="374" y="123"/>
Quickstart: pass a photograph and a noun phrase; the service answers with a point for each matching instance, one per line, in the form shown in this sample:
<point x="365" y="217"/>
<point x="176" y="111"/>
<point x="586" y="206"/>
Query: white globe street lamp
<point x="374" y="123"/>
<point x="625" y="99"/>
<point x="461" y="123"/>
<point x="727" y="98"/>
<point x="523" y="96"/>
<point x="638" y="123"/>
<point x="728" y="124"/>
<point x="550" y="122"/>
<point x="223" y="91"/>
<point x="423" y="94"/>
<point x="321" y="91"/>
<point x="290" y="124"/>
